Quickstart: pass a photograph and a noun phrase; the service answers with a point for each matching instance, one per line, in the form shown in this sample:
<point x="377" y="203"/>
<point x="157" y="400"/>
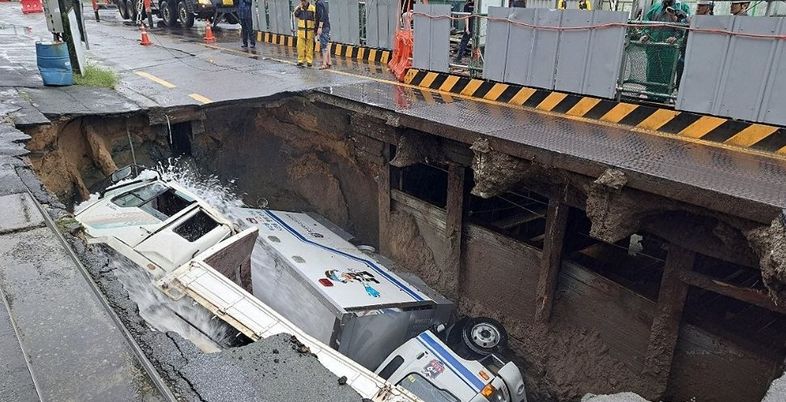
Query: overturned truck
<point x="350" y="311"/>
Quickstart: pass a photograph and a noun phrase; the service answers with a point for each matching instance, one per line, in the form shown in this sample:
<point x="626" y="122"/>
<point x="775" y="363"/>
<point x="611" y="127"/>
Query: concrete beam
<point x="551" y="261"/>
<point x="495" y="172"/>
<point x="414" y="147"/>
<point x="666" y="324"/>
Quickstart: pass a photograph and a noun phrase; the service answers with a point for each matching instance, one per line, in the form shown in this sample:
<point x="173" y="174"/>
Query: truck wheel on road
<point x="484" y="335"/>
<point x="167" y="12"/>
<point x="230" y="19"/>
<point x="121" y="8"/>
<point x="131" y="9"/>
<point x="186" y="17"/>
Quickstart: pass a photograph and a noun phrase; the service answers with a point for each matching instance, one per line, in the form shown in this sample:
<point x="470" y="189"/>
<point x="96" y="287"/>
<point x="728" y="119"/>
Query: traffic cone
<point x="145" y="40"/>
<point x="209" y="38"/>
<point x="32" y="6"/>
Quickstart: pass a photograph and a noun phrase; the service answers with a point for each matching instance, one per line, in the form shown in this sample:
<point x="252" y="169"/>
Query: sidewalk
<point x="57" y="341"/>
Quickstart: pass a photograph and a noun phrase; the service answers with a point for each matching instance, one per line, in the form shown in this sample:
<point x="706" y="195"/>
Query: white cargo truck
<point x="398" y="327"/>
<point x="309" y="281"/>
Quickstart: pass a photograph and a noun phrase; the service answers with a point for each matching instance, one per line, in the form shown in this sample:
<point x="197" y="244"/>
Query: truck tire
<point x="121" y="8"/>
<point x="484" y="335"/>
<point x="167" y="12"/>
<point x="186" y="17"/>
<point x="131" y="9"/>
<point x="230" y="19"/>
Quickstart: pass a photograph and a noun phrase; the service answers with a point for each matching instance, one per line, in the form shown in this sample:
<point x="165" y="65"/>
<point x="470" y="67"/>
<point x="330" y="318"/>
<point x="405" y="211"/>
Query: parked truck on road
<point x="184" y="11"/>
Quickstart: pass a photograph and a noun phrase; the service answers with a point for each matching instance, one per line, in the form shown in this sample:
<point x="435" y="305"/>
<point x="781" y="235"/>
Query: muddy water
<point x="185" y="317"/>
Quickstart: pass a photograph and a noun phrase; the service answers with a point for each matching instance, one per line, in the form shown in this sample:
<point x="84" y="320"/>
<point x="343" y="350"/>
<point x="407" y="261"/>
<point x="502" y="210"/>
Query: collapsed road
<point x="618" y="261"/>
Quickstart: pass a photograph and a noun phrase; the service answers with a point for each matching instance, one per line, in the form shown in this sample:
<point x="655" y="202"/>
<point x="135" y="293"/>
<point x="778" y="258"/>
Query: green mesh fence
<point x="653" y="61"/>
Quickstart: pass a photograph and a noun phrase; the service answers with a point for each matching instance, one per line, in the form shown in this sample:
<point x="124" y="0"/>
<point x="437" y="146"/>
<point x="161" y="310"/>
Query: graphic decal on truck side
<point x="364" y="277"/>
<point x="433" y="369"/>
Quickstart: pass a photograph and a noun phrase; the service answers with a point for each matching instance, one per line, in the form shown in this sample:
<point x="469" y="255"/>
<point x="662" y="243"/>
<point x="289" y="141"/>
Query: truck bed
<point x="247" y="314"/>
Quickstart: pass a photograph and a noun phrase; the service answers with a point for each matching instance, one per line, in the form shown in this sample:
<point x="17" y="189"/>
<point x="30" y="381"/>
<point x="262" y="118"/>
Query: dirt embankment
<point x="71" y="155"/>
<point x="296" y="155"/>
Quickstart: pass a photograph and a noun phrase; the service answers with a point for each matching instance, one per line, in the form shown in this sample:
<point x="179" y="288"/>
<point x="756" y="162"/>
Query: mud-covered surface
<point x="560" y="362"/>
<point x="296" y="155"/>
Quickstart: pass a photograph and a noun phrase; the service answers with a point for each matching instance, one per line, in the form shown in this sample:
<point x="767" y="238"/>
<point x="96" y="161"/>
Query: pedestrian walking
<point x="469" y="28"/>
<point x="323" y="33"/>
<point x="246" y="27"/>
<point x="305" y="14"/>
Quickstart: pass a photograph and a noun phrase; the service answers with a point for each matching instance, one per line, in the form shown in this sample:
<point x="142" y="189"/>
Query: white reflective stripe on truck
<point x="249" y="315"/>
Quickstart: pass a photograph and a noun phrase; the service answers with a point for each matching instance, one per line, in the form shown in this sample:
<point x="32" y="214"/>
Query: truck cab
<point x="434" y="372"/>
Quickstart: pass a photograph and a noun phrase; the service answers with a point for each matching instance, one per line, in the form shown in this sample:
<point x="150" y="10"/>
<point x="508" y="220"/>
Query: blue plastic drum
<point x="54" y="63"/>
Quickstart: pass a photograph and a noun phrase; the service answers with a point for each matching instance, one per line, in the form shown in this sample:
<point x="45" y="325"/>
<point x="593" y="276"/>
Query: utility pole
<point x="65" y="7"/>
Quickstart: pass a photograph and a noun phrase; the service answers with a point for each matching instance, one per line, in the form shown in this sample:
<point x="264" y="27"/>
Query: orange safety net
<point x="401" y="60"/>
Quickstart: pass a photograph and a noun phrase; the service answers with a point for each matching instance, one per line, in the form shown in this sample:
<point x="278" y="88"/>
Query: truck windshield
<point x="156" y="199"/>
<point x="425" y="390"/>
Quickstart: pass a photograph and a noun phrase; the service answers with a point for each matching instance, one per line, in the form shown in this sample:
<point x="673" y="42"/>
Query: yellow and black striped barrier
<point x="761" y="137"/>
<point x="349" y="51"/>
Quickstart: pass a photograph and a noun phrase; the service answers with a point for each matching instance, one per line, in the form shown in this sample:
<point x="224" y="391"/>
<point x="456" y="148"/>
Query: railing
<point x="652" y="62"/>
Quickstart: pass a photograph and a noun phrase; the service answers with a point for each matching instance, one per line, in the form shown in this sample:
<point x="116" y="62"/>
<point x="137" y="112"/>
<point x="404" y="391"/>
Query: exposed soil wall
<point x="294" y="156"/>
<point x="71" y="155"/>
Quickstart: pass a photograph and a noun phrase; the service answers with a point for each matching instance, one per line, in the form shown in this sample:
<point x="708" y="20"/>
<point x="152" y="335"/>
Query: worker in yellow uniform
<point x="306" y="15"/>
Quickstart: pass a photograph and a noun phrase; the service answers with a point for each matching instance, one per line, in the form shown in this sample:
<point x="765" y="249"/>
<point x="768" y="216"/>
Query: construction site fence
<point x="696" y="67"/>
<point x="370" y="23"/>
<point x="731" y="66"/>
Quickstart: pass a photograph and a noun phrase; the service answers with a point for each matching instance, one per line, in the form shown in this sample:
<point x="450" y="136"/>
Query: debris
<point x="620" y="397"/>
<point x="342" y="380"/>
<point x="495" y="172"/>
<point x="769" y="243"/>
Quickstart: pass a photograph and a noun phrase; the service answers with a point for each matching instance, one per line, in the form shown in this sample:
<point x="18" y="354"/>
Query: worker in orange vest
<point x="306" y="15"/>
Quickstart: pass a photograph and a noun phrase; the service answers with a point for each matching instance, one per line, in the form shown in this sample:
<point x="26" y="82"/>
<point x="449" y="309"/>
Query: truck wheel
<point x="230" y="19"/>
<point x="131" y="9"/>
<point x="121" y="8"/>
<point x="186" y="17"/>
<point x="167" y="13"/>
<point x="484" y="335"/>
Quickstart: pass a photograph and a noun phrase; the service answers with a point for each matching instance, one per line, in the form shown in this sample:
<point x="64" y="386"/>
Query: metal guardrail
<point x="652" y="63"/>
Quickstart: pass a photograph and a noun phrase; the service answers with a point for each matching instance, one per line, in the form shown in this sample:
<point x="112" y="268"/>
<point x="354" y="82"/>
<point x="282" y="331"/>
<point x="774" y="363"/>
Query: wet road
<point x="181" y="70"/>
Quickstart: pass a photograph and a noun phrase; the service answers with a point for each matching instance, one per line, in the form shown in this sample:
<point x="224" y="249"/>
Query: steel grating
<point x="726" y="172"/>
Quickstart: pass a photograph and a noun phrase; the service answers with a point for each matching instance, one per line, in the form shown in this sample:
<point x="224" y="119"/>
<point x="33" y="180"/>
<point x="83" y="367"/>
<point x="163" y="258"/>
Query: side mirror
<point x="121" y="174"/>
